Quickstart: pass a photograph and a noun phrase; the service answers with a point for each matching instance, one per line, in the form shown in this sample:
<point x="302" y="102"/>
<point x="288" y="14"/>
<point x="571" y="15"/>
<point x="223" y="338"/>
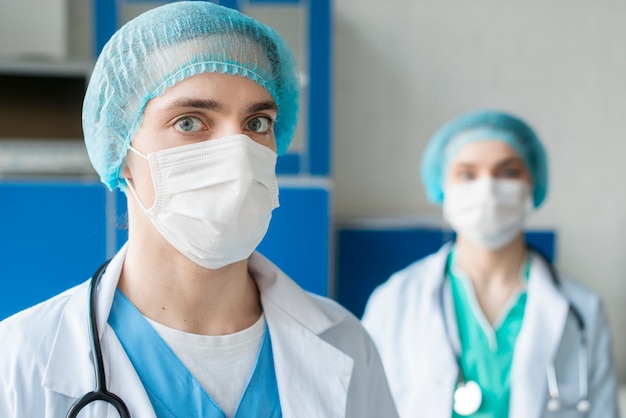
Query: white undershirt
<point x="222" y="364"/>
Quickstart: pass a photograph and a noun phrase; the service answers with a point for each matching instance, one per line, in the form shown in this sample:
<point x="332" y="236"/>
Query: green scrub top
<point x="486" y="351"/>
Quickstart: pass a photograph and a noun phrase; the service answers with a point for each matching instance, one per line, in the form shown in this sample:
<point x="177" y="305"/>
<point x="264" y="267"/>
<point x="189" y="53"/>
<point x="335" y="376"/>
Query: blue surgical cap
<point x="481" y="125"/>
<point x="168" y="44"/>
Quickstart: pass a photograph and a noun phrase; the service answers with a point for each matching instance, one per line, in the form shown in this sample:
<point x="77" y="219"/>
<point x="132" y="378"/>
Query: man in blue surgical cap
<point x="187" y="108"/>
<point x="486" y="327"/>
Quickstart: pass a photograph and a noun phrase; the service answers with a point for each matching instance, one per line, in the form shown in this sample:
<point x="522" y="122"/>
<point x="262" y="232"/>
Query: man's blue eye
<point x="188" y="124"/>
<point x="260" y="124"/>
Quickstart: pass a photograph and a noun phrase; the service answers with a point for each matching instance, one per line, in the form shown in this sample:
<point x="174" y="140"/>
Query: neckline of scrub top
<point x="222" y="364"/>
<point x="455" y="272"/>
<point x="486" y="353"/>
<point x="172" y="389"/>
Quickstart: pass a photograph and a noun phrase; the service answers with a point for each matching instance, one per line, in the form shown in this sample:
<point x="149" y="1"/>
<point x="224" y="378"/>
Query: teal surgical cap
<point x="476" y="126"/>
<point x="168" y="44"/>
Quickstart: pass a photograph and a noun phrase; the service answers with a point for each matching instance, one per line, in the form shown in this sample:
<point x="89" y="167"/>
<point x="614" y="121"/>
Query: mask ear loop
<point x="130" y="185"/>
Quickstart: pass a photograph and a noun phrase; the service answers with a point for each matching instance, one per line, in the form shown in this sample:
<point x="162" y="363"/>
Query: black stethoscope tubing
<point x="555" y="403"/>
<point x="100" y="393"/>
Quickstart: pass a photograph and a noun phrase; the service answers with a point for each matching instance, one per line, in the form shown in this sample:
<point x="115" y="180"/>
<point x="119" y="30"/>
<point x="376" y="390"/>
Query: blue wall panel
<point x="299" y="236"/>
<point x="53" y="237"/>
<point x="367" y="257"/>
<point x="320" y="104"/>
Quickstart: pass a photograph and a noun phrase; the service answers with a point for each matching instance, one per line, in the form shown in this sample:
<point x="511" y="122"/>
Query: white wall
<point x="404" y="67"/>
<point x="42" y="34"/>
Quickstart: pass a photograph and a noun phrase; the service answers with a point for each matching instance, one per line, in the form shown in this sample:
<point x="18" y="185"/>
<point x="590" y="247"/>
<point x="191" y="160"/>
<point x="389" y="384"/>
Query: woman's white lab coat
<point x="404" y="316"/>
<point x="326" y="364"/>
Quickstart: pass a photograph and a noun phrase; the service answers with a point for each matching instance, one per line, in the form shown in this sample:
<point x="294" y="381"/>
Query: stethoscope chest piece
<point x="467" y="398"/>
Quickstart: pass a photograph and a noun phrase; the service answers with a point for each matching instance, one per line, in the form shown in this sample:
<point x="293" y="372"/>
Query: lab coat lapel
<point x="440" y="358"/>
<point x="537" y="343"/>
<point x="70" y="366"/>
<point x="313" y="376"/>
<point x="70" y="369"/>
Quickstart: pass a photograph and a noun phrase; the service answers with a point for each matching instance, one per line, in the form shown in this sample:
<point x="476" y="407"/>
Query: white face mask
<point x="488" y="212"/>
<point x="214" y="199"/>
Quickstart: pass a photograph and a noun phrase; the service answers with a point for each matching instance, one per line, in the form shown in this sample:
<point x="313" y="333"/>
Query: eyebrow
<point x="197" y="103"/>
<point x="260" y="106"/>
<point x="216" y="106"/>
<point x="511" y="160"/>
<point x="508" y="161"/>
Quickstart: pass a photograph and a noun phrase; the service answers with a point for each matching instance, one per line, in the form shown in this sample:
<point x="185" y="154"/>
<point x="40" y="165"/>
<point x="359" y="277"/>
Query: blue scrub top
<point x="172" y="389"/>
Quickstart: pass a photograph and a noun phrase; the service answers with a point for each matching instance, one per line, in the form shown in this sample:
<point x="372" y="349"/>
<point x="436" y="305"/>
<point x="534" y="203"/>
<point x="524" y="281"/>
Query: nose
<point x="226" y="127"/>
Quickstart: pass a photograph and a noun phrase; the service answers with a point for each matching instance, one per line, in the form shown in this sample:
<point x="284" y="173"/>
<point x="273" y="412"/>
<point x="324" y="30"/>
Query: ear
<point x="125" y="170"/>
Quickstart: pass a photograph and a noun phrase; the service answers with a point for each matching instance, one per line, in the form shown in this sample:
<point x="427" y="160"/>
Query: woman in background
<point x="486" y="327"/>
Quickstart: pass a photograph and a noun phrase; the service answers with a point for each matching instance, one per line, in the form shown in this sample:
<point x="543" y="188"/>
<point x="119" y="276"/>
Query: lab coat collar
<point x="442" y="330"/>
<point x="70" y="369"/>
<point x="538" y="341"/>
<point x="279" y="290"/>
<point x="296" y="322"/>
<point x="294" y="319"/>
<point x="71" y="352"/>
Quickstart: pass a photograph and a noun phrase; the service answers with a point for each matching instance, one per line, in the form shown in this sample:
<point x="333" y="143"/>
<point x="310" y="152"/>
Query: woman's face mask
<point x="488" y="193"/>
<point x="488" y="212"/>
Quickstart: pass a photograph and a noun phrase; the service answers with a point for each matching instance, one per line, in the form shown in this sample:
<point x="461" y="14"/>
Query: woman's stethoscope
<point x="100" y="393"/>
<point x="468" y="394"/>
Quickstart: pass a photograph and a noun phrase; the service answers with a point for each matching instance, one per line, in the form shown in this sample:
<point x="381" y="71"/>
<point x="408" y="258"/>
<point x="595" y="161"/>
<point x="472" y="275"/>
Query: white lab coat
<point x="404" y="316"/>
<point x="326" y="364"/>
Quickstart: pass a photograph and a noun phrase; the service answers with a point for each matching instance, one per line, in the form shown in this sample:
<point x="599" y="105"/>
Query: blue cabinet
<point x="369" y="253"/>
<point x="55" y="234"/>
<point x="53" y="238"/>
